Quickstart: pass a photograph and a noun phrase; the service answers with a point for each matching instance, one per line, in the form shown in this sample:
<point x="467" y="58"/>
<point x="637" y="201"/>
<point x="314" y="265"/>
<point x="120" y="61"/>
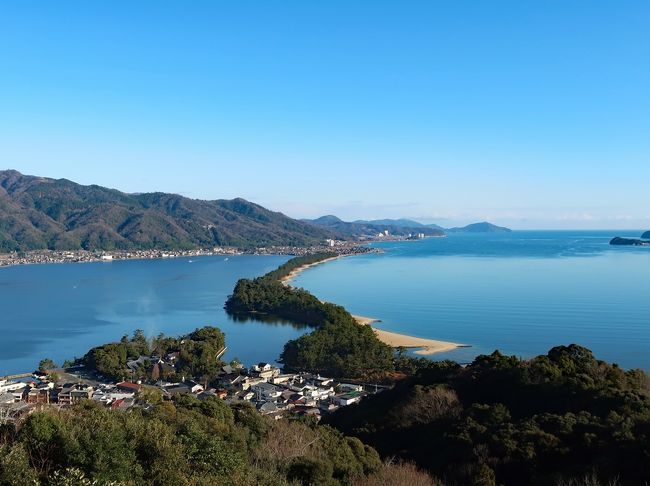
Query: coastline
<point x="48" y="257"/>
<point x="424" y="346"/>
<point x="287" y="279"/>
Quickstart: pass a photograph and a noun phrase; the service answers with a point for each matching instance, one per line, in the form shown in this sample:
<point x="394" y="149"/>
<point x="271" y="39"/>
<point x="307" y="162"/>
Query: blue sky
<point x="530" y="114"/>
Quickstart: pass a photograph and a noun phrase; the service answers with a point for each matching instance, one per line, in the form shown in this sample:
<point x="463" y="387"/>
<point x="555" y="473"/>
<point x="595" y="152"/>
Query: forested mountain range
<point x="58" y="214"/>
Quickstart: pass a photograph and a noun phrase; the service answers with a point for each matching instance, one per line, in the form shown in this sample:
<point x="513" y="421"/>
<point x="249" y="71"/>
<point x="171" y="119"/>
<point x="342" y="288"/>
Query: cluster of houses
<point x="79" y="256"/>
<point x="263" y="385"/>
<point x="275" y="393"/>
<point x="23" y="394"/>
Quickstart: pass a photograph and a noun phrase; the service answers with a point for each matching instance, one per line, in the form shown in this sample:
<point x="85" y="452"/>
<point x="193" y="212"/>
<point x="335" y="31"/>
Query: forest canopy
<point x="338" y="347"/>
<point x="503" y="420"/>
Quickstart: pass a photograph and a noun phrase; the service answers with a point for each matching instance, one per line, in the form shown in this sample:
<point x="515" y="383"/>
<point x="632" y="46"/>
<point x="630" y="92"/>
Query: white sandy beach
<point x="287" y="280"/>
<point x="396" y="340"/>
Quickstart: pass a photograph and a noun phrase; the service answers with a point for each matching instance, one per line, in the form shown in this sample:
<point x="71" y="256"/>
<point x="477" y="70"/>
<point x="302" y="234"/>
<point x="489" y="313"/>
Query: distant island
<point x="646" y="235"/>
<point x="483" y="227"/>
<point x="397" y="227"/>
<point x="619" y="241"/>
<point x="38" y="213"/>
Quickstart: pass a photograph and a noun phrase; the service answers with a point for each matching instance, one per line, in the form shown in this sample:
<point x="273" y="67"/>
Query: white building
<point x="8" y="386"/>
<point x="266" y="391"/>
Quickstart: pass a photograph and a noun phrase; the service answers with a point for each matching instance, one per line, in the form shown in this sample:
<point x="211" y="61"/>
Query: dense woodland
<point x="502" y="420"/>
<point x="338" y="347"/>
<point x="39" y="213"/>
<point x="185" y="442"/>
<point x="197" y="355"/>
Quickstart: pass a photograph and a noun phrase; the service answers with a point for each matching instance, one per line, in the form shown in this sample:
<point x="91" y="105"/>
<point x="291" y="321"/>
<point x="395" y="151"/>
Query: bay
<point x="521" y="292"/>
<point x="60" y="311"/>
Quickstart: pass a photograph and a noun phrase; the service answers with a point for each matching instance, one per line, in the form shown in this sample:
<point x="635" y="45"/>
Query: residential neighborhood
<point x="87" y="256"/>
<point x="263" y="385"/>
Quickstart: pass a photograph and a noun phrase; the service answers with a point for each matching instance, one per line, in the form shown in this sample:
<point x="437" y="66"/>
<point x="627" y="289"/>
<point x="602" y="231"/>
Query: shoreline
<point x="50" y="257"/>
<point x="287" y="279"/>
<point x="423" y="346"/>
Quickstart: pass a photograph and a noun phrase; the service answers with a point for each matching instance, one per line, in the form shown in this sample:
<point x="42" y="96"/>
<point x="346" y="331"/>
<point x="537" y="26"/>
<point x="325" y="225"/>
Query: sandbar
<point x="396" y="340"/>
<point x="286" y="280"/>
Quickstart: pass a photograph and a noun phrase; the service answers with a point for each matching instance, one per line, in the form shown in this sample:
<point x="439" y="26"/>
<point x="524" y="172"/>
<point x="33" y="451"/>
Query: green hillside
<point x="558" y="419"/>
<point x="41" y="213"/>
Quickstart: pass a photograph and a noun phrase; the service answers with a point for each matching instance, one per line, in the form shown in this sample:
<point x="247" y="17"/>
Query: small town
<point x="263" y="385"/>
<point x="85" y="256"/>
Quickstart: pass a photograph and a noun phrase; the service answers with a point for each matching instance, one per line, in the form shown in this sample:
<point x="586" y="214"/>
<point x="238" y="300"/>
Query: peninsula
<point x="273" y="294"/>
<point x="288" y="278"/>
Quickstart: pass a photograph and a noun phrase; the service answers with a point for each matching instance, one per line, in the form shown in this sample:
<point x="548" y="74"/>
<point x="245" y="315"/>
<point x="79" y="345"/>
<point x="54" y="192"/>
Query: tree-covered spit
<point x="338" y="347"/>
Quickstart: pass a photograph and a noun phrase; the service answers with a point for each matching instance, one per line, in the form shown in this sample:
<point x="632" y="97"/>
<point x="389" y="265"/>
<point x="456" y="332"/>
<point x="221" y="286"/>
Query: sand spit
<point x="396" y="340"/>
<point x="393" y="339"/>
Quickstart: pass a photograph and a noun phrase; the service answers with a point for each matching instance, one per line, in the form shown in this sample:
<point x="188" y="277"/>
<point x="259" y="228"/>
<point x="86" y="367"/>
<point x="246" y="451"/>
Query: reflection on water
<point x="246" y="317"/>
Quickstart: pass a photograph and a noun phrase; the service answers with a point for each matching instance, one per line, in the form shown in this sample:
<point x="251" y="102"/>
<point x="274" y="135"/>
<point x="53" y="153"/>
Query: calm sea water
<point x="60" y="311"/>
<point x="521" y="293"/>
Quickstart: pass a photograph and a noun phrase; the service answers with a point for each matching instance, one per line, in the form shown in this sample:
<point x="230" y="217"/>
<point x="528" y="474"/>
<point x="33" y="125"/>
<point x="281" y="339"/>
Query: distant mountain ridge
<point x="361" y="228"/>
<point x="42" y="213"/>
<point x="398" y="227"/>
<point x="646" y="235"/>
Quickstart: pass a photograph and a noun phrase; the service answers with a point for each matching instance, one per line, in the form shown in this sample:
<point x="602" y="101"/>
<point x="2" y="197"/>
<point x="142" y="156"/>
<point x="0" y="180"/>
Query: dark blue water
<point x="60" y="311"/>
<point x="521" y="293"/>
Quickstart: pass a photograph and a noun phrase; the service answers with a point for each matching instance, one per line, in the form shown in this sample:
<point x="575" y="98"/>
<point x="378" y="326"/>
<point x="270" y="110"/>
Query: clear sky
<point x="533" y="114"/>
